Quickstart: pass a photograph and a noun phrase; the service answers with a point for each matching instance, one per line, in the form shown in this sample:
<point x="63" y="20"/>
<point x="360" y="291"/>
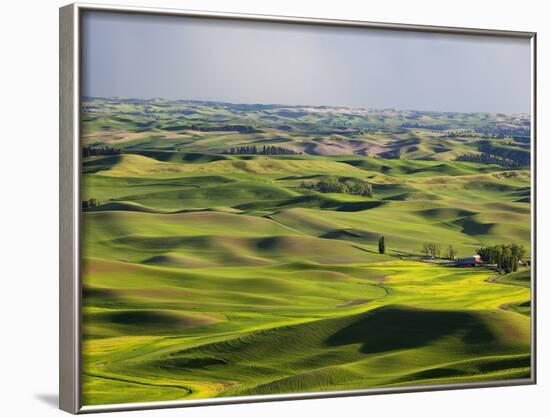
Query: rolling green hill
<point x="224" y="256"/>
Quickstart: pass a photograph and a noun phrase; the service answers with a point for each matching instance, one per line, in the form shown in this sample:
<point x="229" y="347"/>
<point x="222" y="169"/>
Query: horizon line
<point x="84" y="97"/>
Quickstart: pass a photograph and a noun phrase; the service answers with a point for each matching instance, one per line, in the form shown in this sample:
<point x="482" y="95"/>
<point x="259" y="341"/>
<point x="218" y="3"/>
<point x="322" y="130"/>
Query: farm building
<point x="472" y="261"/>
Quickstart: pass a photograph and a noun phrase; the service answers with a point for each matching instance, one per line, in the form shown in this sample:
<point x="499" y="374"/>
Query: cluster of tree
<point x="487" y="158"/>
<point x="435" y="251"/>
<point x="367" y="129"/>
<point x="431" y="249"/>
<point x="505" y="257"/>
<point x="424" y="126"/>
<point x="186" y="112"/>
<point x="462" y="134"/>
<point x="99" y="150"/>
<point x="343" y="185"/>
<point x="220" y="128"/>
<point x="500" y="131"/>
<point x="92" y="202"/>
<point x="412" y="124"/>
<point x="338" y="130"/>
<point x="265" y="150"/>
<point x="516" y="154"/>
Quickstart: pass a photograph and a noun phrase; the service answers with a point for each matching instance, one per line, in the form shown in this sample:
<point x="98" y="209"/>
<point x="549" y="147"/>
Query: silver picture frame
<point x="70" y="295"/>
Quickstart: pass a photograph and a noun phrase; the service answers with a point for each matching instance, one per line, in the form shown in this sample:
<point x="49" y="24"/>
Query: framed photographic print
<point x="259" y="208"/>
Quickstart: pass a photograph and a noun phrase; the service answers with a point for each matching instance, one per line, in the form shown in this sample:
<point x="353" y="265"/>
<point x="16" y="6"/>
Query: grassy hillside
<point x="199" y="127"/>
<point x="212" y="270"/>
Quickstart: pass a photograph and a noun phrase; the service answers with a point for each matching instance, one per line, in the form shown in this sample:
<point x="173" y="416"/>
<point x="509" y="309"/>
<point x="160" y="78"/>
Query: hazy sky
<point x="140" y="56"/>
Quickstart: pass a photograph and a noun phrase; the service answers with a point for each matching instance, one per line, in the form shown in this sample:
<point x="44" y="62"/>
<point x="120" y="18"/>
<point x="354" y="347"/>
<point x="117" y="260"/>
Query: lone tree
<point x="381" y="245"/>
<point x="437" y="250"/>
<point x="451" y="252"/>
<point x="426" y="248"/>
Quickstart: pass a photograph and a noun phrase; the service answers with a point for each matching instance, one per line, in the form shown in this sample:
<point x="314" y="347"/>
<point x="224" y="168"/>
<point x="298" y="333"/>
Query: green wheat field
<point x="233" y="250"/>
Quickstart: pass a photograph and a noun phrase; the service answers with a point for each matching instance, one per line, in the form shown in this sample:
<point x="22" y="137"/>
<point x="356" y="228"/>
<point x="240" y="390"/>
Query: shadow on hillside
<point x="394" y="327"/>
